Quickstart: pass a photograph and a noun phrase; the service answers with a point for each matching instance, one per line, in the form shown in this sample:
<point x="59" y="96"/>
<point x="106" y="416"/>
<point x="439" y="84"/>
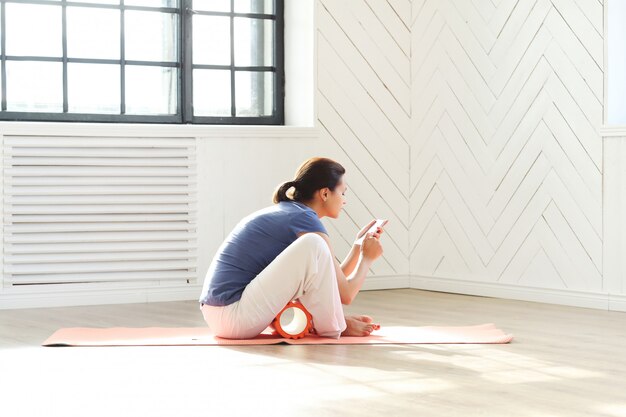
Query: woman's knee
<point x="314" y="242"/>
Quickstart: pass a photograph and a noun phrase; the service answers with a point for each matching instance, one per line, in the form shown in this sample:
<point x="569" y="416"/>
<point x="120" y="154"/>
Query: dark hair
<point x="314" y="174"/>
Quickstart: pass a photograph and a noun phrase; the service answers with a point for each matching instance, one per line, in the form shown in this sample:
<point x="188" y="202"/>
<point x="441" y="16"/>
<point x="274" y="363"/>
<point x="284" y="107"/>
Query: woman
<point x="282" y="253"/>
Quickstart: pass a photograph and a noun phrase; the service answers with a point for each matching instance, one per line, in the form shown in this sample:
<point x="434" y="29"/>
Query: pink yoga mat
<point x="189" y="336"/>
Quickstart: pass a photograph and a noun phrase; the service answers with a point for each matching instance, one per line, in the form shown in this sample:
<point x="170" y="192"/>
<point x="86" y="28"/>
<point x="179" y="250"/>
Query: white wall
<point x="473" y="128"/>
<point x="362" y="118"/>
<point x="363" y="99"/>
<point x="614" y="141"/>
<point x="616" y="63"/>
<point x="506" y="158"/>
<point x="239" y="167"/>
<point x="614" y="224"/>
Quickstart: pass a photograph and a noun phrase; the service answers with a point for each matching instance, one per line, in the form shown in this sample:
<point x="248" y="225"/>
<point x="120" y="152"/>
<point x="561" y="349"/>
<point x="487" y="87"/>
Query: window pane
<point x="254" y="94"/>
<point x="212" y="5"/>
<point x="253" y="42"/>
<point x="151" y="3"/>
<point x="254" y="6"/>
<point x="93" y="33"/>
<point x="93" y="88"/>
<point x="211" y="40"/>
<point x="211" y="92"/>
<point x="34" y="86"/>
<point x="101" y="1"/>
<point x="22" y="40"/>
<point x="151" y="90"/>
<point x="151" y="36"/>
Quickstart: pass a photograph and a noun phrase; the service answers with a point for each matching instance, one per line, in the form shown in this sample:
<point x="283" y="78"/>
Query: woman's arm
<point x="351" y="261"/>
<point x="350" y="285"/>
<point x="348" y="264"/>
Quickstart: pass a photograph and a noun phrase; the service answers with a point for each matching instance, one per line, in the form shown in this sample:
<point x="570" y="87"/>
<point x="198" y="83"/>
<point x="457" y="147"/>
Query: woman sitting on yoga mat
<point x="283" y="253"/>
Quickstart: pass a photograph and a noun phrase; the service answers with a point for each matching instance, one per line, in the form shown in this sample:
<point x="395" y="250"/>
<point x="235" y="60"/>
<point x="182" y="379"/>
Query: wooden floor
<point x="564" y="361"/>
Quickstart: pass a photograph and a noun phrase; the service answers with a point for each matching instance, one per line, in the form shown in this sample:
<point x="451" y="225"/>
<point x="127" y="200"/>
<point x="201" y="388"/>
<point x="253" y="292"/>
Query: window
<point x="152" y="61"/>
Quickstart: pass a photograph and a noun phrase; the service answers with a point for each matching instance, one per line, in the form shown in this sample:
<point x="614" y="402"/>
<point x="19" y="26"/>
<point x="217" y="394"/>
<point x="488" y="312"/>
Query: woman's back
<point x="252" y="245"/>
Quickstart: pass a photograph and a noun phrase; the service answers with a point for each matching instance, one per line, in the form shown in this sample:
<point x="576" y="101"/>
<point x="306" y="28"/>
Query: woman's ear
<point x="324" y="193"/>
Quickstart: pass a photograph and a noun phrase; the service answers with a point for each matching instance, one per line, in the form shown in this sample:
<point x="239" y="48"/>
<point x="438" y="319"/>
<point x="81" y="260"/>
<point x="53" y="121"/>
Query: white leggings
<point x="305" y="271"/>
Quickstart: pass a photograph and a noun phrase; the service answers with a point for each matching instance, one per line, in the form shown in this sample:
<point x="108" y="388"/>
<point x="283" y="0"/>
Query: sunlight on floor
<point x="167" y="381"/>
<point x="613" y="410"/>
<point x="498" y="365"/>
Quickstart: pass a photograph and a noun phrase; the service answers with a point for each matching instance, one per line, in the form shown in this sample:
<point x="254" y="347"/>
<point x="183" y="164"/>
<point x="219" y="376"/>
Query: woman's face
<point x="336" y="199"/>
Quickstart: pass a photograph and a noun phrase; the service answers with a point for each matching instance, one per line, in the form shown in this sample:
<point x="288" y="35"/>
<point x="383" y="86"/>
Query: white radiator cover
<point x="109" y="211"/>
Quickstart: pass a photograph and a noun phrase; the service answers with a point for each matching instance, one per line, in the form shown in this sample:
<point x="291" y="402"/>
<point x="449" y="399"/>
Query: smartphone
<point x="375" y="226"/>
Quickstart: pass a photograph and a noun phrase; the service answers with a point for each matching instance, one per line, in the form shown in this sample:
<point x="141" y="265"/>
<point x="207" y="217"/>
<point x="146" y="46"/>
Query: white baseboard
<point x="96" y="297"/>
<point x="600" y="301"/>
<point x="617" y="302"/>
<point x="386" y="282"/>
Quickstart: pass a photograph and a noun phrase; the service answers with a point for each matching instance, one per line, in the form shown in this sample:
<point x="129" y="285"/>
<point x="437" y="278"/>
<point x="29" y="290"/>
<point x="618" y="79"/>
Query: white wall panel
<point x="364" y="114"/>
<point x="507" y="101"/>
<point x="614" y="209"/>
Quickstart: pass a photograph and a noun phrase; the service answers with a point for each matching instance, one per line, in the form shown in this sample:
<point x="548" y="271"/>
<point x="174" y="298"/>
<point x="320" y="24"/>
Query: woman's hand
<point x="371" y="248"/>
<point x="377" y="234"/>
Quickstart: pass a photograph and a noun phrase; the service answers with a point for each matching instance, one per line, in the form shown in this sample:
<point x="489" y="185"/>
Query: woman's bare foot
<point x="359" y="326"/>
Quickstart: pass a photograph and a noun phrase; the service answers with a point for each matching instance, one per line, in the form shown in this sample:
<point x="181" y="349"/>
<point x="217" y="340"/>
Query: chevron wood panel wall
<point x="364" y="115"/>
<point x="506" y="162"/>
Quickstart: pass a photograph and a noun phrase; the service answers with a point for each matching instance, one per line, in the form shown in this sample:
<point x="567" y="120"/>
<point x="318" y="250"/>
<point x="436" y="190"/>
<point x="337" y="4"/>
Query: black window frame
<point x="184" y="65"/>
